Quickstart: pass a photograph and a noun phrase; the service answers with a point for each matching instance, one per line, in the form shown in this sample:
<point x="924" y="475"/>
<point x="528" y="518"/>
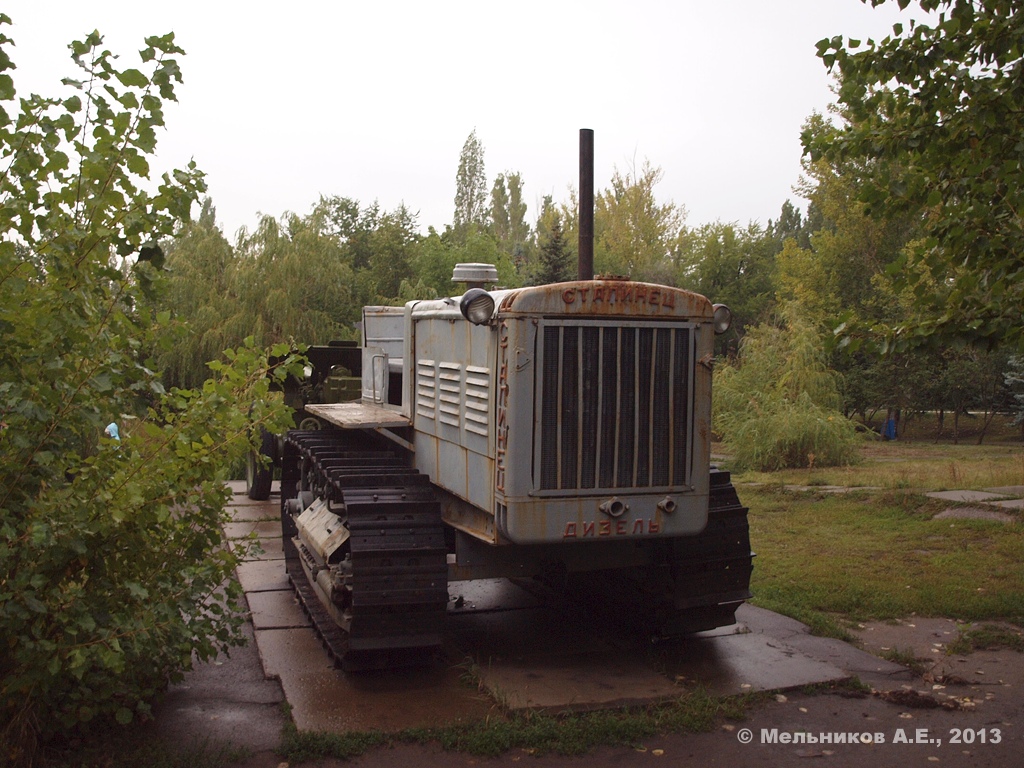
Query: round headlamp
<point x="722" y="318"/>
<point x="477" y="306"/>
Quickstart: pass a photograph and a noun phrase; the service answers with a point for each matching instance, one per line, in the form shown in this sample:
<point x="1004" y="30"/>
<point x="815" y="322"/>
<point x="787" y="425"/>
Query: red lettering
<point x="638" y="526"/>
<point x="604" y="528"/>
<point x="598" y="293"/>
<point x="570" y="531"/>
<point x="620" y="527"/>
<point x="653" y="527"/>
<point x="641" y="293"/>
<point x="569" y="295"/>
<point x="655" y="297"/>
<point x="668" y="299"/>
<point x="588" y="529"/>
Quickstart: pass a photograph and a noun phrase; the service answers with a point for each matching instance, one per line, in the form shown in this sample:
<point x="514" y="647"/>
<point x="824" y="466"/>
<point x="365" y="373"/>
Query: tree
<point x="1013" y="380"/>
<point x="941" y="106"/>
<point x="112" y="569"/>
<point x="553" y="263"/>
<point x="470" y="187"/>
<point x="508" y="216"/>
<point x="634" y="233"/>
<point x="777" y="405"/>
<point x="199" y="291"/>
<point x="730" y="265"/>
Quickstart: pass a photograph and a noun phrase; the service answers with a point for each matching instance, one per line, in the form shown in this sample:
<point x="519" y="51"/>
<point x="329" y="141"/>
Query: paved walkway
<point x="496" y="641"/>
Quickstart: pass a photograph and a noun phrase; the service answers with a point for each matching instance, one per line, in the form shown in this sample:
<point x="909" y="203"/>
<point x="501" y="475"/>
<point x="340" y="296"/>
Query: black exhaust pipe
<point x="586" y="211"/>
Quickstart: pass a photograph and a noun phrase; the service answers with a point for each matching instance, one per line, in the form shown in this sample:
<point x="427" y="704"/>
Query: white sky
<point x="373" y="100"/>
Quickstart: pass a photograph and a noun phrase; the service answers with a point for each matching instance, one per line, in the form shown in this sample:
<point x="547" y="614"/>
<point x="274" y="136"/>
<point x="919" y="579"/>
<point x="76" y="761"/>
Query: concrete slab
<point x="276" y="610"/>
<point x="563" y="658"/>
<point x="975" y="513"/>
<point x="790" y="633"/>
<point x="727" y="665"/>
<point x="965" y="496"/>
<point x="269" y="549"/>
<point x="1008" y="490"/>
<point x="264" y="529"/>
<point x="488" y="595"/>
<point x="226" y="701"/>
<point x="575" y="682"/>
<point x="829" y="488"/>
<point x="1017" y="504"/>
<point x="258" y="510"/>
<point x="323" y="698"/>
<point x="238" y="487"/>
<point x="262" y="576"/>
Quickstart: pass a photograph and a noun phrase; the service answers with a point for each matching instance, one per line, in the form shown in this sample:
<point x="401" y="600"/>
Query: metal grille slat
<point x="614" y="406"/>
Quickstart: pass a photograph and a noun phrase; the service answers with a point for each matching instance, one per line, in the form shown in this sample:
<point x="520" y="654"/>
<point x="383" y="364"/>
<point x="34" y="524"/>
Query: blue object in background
<point x="112" y="431"/>
<point x="890" y="429"/>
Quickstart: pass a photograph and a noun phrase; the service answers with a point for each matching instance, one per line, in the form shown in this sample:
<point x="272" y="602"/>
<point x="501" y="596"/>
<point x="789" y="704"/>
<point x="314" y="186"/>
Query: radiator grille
<point x="615" y="406"/>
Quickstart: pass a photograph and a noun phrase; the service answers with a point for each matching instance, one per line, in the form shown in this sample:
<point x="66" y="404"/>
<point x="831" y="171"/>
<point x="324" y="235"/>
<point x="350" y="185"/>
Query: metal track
<point x="391" y="589"/>
<point x="710" y="572"/>
<point x="695" y="584"/>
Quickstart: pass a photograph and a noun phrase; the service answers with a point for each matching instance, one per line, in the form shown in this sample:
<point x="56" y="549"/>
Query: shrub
<point x="777" y="406"/>
<point x="112" y="572"/>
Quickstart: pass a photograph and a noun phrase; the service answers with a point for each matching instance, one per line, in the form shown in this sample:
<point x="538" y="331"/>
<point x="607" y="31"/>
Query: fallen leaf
<point x="780" y="698"/>
<point x="657" y="752"/>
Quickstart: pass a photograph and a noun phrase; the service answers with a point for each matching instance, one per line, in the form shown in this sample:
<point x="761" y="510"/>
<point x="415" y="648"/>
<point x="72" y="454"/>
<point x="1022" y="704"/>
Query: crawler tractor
<point x="559" y="433"/>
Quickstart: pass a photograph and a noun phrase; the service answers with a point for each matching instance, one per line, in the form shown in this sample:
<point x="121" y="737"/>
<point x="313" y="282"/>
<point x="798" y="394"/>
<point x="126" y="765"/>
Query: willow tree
<point x="778" y="404"/>
<point x="199" y="295"/>
<point x="292" y="282"/>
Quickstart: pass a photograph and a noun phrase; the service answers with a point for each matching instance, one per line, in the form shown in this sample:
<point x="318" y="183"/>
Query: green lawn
<point x="829" y="558"/>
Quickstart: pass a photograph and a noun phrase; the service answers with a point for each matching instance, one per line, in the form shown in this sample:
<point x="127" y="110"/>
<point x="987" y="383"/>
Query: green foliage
<point x="471" y="207"/>
<point x="936" y="113"/>
<point x="730" y="265"/>
<point x="777" y="406"/>
<point x="633" y="232"/>
<point x="111" y="571"/>
<point x="304" y="278"/>
<point x="508" y="217"/>
<point x="554" y="264"/>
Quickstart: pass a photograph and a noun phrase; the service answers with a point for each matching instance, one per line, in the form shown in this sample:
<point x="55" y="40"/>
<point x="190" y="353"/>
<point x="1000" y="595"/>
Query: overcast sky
<point x="284" y="102"/>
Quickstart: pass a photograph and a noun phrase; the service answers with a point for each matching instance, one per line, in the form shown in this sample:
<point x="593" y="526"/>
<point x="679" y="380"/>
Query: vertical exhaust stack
<point x="586" y="211"/>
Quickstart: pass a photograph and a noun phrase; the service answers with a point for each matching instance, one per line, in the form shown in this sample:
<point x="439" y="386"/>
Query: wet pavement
<point x="507" y="649"/>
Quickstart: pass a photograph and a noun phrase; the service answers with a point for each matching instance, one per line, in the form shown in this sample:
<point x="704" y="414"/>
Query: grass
<point x="987" y="637"/>
<point x="901" y="466"/>
<point x="832" y="559"/>
<point x="127" y="750"/>
<point x="572" y="733"/>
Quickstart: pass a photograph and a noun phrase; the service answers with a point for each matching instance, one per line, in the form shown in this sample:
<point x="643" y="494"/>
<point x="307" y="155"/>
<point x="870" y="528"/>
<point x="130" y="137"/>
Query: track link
<point x="693" y="585"/>
<point x="383" y="603"/>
